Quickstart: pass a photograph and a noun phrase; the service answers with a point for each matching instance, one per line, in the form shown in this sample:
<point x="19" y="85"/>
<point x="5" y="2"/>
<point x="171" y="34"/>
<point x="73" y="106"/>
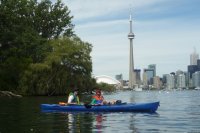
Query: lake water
<point x="179" y="111"/>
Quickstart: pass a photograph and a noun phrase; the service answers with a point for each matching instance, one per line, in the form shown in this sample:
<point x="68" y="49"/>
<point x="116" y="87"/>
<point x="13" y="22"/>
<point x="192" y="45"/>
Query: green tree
<point x="52" y="20"/>
<point x="69" y="63"/>
<point x="26" y="26"/>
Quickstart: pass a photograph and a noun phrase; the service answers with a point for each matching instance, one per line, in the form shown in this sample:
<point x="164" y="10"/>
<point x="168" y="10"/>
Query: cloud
<point x="102" y="8"/>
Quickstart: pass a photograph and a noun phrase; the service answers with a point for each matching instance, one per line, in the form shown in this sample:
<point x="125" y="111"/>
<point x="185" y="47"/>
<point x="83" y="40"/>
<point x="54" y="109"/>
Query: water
<point x="179" y="111"/>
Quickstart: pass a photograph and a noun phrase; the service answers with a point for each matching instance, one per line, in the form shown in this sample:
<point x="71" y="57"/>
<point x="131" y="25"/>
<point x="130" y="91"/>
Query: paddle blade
<point x="62" y="103"/>
<point x="88" y="106"/>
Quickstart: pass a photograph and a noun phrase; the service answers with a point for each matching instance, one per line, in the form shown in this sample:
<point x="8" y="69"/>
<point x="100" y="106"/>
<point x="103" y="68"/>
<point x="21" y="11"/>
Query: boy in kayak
<point x="73" y="97"/>
<point x="98" y="99"/>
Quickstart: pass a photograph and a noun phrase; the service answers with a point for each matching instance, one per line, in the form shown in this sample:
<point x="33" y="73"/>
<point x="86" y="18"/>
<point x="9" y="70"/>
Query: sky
<point x="166" y="33"/>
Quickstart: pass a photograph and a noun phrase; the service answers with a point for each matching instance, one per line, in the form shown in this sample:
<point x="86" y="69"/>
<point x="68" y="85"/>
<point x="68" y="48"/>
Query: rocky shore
<point x="8" y="94"/>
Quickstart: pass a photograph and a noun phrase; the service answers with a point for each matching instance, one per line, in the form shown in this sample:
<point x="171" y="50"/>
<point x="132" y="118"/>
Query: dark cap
<point x="75" y="90"/>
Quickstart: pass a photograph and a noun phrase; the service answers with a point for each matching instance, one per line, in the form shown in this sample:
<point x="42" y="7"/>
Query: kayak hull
<point x="129" y="107"/>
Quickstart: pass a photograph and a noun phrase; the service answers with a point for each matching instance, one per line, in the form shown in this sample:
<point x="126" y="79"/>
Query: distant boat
<point x="125" y="87"/>
<point x="137" y="88"/>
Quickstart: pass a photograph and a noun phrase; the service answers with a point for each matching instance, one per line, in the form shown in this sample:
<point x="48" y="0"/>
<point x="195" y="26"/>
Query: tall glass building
<point x="149" y="74"/>
<point x="152" y="66"/>
<point x="137" y="76"/>
<point x="192" y="69"/>
<point x="196" y="79"/>
<point x="198" y="64"/>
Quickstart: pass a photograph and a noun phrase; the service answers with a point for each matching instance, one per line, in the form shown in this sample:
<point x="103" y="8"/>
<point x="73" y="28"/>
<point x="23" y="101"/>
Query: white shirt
<point x="70" y="98"/>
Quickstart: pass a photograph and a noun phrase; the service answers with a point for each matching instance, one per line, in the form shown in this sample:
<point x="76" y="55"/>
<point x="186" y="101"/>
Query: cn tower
<point x="131" y="62"/>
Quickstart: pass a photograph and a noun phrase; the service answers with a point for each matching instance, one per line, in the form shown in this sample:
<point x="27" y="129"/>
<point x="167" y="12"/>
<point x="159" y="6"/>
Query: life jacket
<point x="98" y="100"/>
<point x="76" y="98"/>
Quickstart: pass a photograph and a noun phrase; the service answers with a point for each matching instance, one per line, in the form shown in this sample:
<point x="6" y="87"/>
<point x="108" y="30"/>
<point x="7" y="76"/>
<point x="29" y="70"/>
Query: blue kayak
<point x="127" y="107"/>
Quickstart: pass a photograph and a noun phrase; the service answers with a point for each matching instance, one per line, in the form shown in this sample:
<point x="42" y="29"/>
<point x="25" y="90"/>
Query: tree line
<point x="39" y="51"/>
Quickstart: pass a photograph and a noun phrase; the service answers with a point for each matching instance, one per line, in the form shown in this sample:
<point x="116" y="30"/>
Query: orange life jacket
<point x="98" y="98"/>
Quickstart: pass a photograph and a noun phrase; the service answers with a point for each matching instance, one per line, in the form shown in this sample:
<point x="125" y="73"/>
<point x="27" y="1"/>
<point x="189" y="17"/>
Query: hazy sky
<point x="166" y="32"/>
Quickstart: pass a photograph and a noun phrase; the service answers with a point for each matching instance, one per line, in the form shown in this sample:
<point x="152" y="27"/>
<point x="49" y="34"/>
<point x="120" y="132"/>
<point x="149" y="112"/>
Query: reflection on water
<point x="79" y="122"/>
<point x="85" y="122"/>
<point x="89" y="122"/>
<point x="71" y="123"/>
<point x="98" y="122"/>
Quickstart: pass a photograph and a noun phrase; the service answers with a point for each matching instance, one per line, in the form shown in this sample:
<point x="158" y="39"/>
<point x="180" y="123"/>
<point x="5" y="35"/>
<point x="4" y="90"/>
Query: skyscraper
<point x="194" y="57"/>
<point x="157" y="82"/>
<point x="148" y="73"/>
<point x="181" y="83"/>
<point x="170" y="81"/>
<point x="198" y="64"/>
<point x="137" y="76"/>
<point x="131" y="62"/>
<point x="153" y="66"/>
<point x="196" y="79"/>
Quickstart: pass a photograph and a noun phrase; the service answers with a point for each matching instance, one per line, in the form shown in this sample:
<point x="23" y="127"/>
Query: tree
<point x="25" y="29"/>
<point x="69" y="63"/>
<point x="52" y="20"/>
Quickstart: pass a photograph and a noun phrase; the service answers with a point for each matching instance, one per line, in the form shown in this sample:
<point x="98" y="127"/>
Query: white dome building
<point x="108" y="80"/>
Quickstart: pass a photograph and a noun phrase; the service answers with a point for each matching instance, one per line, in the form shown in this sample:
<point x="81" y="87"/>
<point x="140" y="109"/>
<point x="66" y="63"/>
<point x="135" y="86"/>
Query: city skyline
<point x="165" y="33"/>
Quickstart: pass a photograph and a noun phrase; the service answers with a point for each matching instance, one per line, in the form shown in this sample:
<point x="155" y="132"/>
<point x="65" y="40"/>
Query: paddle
<point x="62" y="103"/>
<point x="65" y="104"/>
<point x="118" y="102"/>
<point x="89" y="106"/>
